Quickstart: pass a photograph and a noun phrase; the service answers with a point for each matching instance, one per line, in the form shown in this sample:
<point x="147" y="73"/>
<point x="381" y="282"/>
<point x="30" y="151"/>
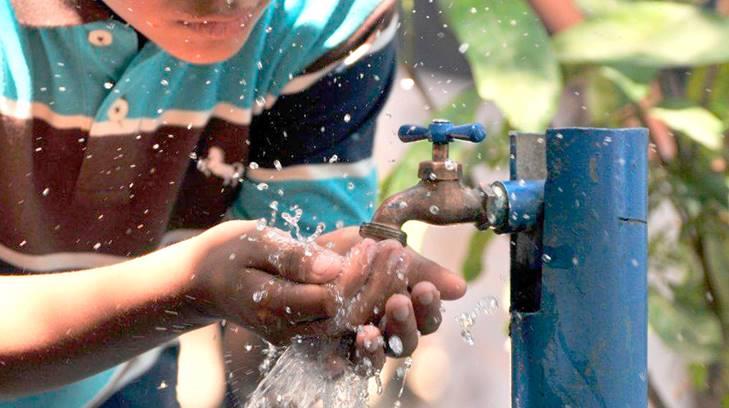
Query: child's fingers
<point x="426" y="302"/>
<point x="401" y="329"/>
<point x="450" y="285"/>
<point x="369" y="350"/>
<point x="277" y="252"/>
<point x="267" y="300"/>
<point x="385" y="269"/>
<point x="341" y="240"/>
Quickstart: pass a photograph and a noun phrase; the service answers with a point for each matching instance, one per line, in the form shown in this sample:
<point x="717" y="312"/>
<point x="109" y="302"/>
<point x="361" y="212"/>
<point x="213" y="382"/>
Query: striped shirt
<point x="110" y="147"/>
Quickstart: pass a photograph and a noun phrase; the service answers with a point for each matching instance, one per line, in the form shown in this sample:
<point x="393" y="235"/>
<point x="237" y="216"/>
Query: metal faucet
<point x="440" y="197"/>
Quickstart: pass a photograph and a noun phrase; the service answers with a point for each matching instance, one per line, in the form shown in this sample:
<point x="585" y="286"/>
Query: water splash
<point x="317" y="372"/>
<point x="485" y="306"/>
<point x="402" y="374"/>
<point x="312" y="371"/>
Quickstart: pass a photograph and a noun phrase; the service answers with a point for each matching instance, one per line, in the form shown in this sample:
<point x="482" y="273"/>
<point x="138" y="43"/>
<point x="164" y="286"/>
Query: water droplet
<point x="46" y="191"/>
<point x="434" y="209"/>
<point x="262" y="186"/>
<point x="277" y="165"/>
<point x="546" y="258"/>
<point x="350" y="186"/>
<point x="450" y="165"/>
<point x="97" y="246"/>
<point x="407" y="84"/>
<point x="464" y="47"/>
<point x="258" y="296"/>
<point x="347" y="118"/>
<point x="334" y="159"/>
<point x="261" y="224"/>
<point x="395" y="345"/>
<point x="253" y="165"/>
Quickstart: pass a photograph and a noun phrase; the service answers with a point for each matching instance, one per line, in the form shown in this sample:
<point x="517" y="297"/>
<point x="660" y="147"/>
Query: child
<point x="127" y="125"/>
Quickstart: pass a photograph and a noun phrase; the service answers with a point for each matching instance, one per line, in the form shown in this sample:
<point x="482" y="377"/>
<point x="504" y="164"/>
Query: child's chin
<point x="207" y="56"/>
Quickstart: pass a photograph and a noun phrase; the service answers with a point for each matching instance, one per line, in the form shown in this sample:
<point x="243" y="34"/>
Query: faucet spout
<point x="438" y="203"/>
<point x="440" y="197"/>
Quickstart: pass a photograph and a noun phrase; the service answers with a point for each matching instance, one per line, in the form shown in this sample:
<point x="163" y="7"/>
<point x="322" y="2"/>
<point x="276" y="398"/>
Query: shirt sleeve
<point x="313" y="150"/>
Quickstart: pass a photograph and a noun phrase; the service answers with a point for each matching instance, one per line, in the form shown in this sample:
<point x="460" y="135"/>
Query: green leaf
<point x="699" y="374"/>
<point x="511" y="58"/>
<point x="696" y="334"/>
<point x="473" y="265"/>
<point x="716" y="255"/>
<point x="595" y="7"/>
<point x="695" y="122"/>
<point x="461" y="110"/>
<point x="634" y="81"/>
<point x="650" y="33"/>
<point x="709" y="87"/>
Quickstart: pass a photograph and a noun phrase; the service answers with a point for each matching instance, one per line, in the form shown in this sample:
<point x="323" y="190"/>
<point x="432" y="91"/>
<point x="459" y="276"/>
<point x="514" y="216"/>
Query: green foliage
<point x="621" y="56"/>
<point x="709" y="86"/>
<point x="693" y="121"/>
<point x="511" y="58"/>
<point x="473" y="264"/>
<point x="633" y="81"/>
<point x="694" y="333"/>
<point x="699" y="375"/>
<point x="598" y="7"/>
<point x="652" y="34"/>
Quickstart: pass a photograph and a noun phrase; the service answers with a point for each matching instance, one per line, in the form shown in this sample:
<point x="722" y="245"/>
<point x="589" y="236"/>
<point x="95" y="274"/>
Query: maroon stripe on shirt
<point x="55" y="198"/>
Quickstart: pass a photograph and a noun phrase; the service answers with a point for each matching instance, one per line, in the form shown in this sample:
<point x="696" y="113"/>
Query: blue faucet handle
<point x="413" y="133"/>
<point x="473" y="133"/>
<point x="442" y="132"/>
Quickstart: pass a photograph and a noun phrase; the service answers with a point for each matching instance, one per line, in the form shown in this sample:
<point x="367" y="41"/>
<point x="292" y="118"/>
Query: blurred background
<point x="529" y="65"/>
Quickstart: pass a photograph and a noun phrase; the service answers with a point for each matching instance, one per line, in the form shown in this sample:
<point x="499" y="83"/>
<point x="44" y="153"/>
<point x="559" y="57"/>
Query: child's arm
<point x="59" y="328"/>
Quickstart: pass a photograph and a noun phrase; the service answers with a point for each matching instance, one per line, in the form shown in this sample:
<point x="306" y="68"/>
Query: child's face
<point x="198" y="31"/>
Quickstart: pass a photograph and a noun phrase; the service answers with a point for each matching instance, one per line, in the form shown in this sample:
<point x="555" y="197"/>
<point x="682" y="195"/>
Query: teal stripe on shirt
<point x="334" y="201"/>
<point x="73" y="395"/>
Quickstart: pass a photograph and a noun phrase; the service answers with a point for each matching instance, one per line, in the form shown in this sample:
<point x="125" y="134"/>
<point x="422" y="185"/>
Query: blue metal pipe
<point x="583" y="342"/>
<point x="525" y="203"/>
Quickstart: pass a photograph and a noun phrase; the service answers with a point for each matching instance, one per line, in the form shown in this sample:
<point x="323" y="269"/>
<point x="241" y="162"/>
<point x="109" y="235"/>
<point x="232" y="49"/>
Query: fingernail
<point x="401" y="313"/>
<point x="426" y="298"/>
<point x="370" y="345"/>
<point x="327" y="265"/>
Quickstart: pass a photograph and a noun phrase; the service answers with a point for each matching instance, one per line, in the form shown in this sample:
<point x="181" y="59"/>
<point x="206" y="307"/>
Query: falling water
<point x="312" y="371"/>
<point x="485" y="306"/>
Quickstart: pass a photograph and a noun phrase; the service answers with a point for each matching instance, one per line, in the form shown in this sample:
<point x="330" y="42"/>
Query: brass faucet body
<point x="440" y="198"/>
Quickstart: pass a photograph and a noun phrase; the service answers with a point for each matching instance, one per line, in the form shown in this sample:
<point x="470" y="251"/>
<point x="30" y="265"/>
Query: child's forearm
<point x="59" y="328"/>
